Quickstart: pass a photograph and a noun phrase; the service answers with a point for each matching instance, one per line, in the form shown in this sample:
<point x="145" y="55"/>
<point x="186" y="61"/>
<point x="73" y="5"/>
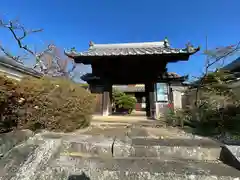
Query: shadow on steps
<point x="229" y="157"/>
<point x="82" y="176"/>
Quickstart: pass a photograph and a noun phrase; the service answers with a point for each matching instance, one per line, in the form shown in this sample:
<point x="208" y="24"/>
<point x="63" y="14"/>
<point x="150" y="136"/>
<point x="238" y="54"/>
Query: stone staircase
<point x="115" y="153"/>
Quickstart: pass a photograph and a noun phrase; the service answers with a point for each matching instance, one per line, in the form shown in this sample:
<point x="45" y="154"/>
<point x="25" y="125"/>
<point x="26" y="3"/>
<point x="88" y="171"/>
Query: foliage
<point x="84" y="85"/>
<point x="123" y="101"/>
<point x="222" y="52"/>
<point x="53" y="104"/>
<point x="218" y="109"/>
<point x="215" y="57"/>
<point x="116" y="94"/>
<point x="8" y="103"/>
<point x="216" y="103"/>
<point x="178" y="117"/>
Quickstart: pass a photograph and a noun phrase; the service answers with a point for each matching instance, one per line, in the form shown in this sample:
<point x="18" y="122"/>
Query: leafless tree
<point x="55" y="63"/>
<point x="214" y="56"/>
<point x="49" y="61"/>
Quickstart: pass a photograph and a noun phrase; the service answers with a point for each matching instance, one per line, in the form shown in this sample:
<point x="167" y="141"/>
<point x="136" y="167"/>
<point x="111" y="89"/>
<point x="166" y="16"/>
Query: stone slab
<point x="161" y="149"/>
<point x="176" y="142"/>
<point x="92" y="145"/>
<point x="231" y="155"/>
<point x="108" y="132"/>
<point x="86" y="174"/>
<point x="25" y="160"/>
<point x="11" y="162"/>
<point x="11" y="139"/>
<point x="168" y="152"/>
<point x="97" y="166"/>
<point x="149" y="123"/>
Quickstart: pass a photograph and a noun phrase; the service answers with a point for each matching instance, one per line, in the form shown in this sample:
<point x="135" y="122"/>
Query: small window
<point x="162" y="92"/>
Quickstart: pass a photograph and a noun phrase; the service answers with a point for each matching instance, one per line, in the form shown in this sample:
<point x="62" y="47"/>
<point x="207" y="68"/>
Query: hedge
<point x="8" y="104"/>
<point x="51" y="104"/>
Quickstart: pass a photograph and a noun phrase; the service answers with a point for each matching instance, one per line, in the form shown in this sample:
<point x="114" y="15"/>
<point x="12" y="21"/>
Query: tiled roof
<point x="126" y="49"/>
<point x="89" y="76"/>
<point x="233" y="65"/>
<point x="10" y="63"/>
<point x="169" y="75"/>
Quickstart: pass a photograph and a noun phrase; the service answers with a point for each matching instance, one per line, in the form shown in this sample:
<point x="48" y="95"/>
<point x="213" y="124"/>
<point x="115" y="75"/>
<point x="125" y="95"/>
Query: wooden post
<point x="107" y="105"/>
<point x="150" y="100"/>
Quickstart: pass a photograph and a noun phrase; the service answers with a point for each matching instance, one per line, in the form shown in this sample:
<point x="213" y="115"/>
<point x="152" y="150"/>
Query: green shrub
<point x="123" y="102"/>
<point x="8" y="104"/>
<point x="53" y="104"/>
<point x="207" y="119"/>
<point x="217" y="107"/>
<point x="178" y="117"/>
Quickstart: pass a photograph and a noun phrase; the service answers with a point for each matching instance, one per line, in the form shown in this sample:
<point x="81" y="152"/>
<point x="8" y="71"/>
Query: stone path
<point x="117" y="150"/>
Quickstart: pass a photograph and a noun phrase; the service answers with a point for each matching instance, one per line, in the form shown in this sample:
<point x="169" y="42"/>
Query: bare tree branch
<point x="16" y="58"/>
<point x="14" y="26"/>
<point x="218" y="57"/>
<point x="49" y="60"/>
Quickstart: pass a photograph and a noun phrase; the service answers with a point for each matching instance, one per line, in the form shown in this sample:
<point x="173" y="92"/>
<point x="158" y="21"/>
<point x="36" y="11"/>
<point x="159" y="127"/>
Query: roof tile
<point x="125" y="49"/>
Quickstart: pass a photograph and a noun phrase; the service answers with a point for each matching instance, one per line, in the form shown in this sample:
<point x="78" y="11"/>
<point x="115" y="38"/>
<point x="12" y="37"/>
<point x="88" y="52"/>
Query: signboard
<point x="162" y="92"/>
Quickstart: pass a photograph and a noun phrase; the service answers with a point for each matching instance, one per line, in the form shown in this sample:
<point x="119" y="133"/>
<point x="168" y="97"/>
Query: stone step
<point x="12" y="161"/>
<point x="161" y="152"/>
<point x="150" y="124"/>
<point x="156" y="148"/>
<point x="140" y="169"/>
<point x="25" y="160"/>
<point x="13" y="138"/>
<point x="176" y="142"/>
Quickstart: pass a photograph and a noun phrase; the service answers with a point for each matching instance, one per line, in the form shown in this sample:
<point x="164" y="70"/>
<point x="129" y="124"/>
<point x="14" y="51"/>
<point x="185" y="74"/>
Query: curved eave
<point x="89" y="77"/>
<point x="179" y="79"/>
<point x="87" y="56"/>
<point x="173" y="80"/>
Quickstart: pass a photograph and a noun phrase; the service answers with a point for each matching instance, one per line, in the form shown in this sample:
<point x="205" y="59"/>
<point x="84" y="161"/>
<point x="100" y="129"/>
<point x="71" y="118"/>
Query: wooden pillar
<point x="150" y="100"/>
<point x="97" y="90"/>
<point x="107" y="105"/>
<point x="110" y="99"/>
<point x="170" y="95"/>
<point x="147" y="108"/>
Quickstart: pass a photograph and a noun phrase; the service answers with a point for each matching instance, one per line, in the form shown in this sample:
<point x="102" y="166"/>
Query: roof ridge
<point x="128" y="45"/>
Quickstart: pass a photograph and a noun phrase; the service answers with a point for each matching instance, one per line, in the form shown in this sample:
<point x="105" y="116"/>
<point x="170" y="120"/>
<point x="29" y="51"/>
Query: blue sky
<point x="76" y="22"/>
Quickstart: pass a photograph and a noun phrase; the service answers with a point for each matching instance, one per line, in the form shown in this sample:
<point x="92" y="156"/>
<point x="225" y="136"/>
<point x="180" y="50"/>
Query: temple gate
<point x="129" y="63"/>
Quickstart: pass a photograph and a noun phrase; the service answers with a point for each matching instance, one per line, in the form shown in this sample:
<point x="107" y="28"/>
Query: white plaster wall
<point x="177" y="99"/>
<point x="160" y="109"/>
<point x="177" y="96"/>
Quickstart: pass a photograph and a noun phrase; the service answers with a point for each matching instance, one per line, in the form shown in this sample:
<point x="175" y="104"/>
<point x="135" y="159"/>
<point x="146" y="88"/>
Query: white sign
<point x="143" y="105"/>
